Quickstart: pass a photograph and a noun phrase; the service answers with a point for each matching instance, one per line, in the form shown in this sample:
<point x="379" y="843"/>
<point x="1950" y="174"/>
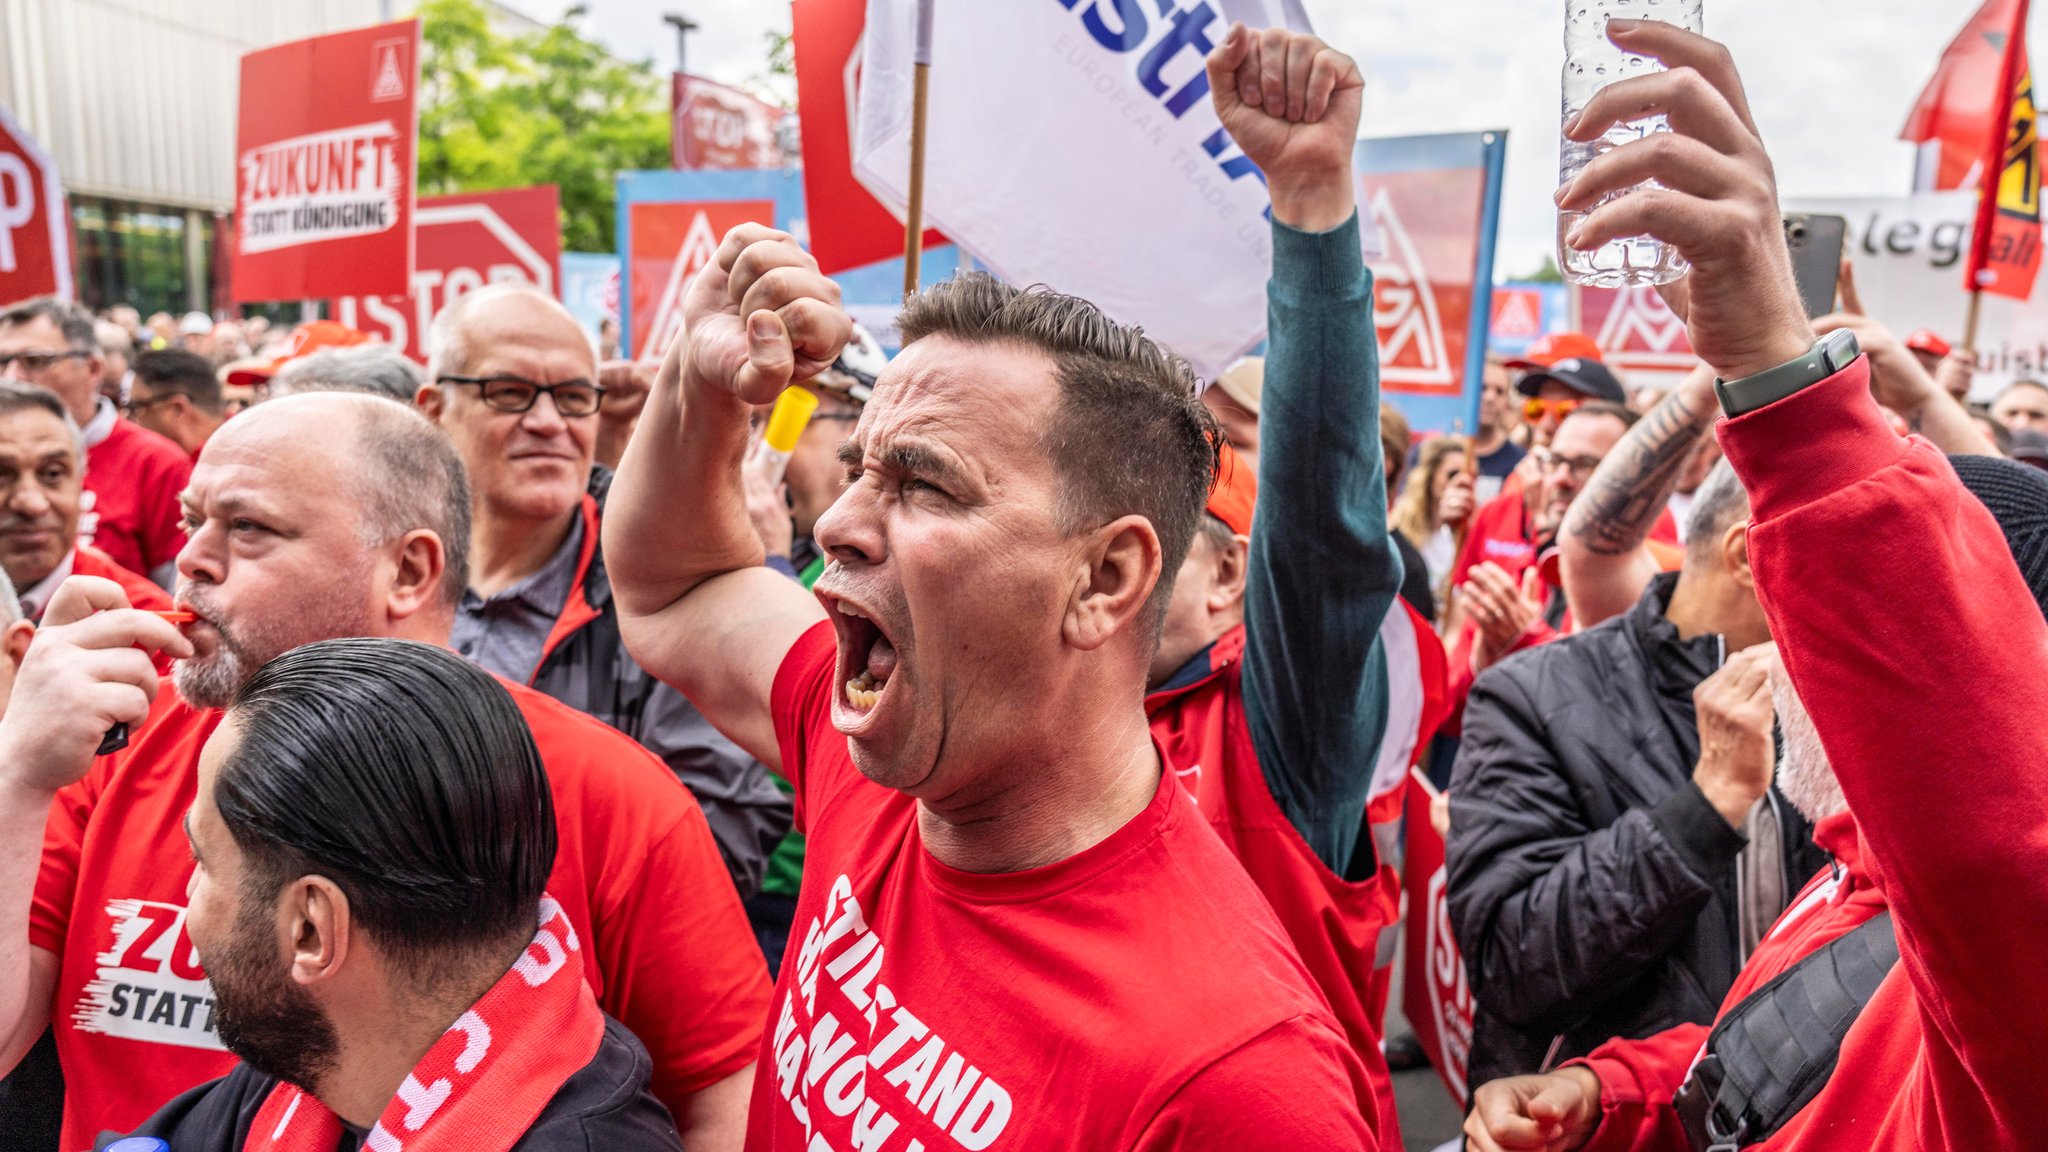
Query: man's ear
<point x="316" y="927"/>
<point x="1122" y="566"/>
<point x="1233" y="564"/>
<point x="429" y="400"/>
<point x="1735" y="553"/>
<point x="420" y="563"/>
<point x="14" y="640"/>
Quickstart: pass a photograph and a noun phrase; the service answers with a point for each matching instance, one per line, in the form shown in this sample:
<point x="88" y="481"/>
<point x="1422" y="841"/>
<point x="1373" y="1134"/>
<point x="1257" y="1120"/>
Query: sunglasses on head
<point x="1535" y="408"/>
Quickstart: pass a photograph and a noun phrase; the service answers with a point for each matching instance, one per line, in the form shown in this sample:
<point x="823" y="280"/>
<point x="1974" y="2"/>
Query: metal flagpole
<point x="913" y="217"/>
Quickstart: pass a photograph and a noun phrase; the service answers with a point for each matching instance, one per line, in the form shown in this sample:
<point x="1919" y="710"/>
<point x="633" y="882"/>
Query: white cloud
<point x="1829" y="84"/>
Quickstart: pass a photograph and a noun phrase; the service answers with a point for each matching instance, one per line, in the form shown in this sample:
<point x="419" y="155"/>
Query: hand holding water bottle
<point x="1705" y="187"/>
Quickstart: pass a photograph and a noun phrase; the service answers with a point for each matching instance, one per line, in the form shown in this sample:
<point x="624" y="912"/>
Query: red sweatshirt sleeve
<point x="1638" y="1078"/>
<point x="1923" y="660"/>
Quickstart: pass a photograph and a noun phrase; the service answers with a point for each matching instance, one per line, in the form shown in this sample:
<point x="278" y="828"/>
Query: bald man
<point x="311" y="518"/>
<point x="513" y="381"/>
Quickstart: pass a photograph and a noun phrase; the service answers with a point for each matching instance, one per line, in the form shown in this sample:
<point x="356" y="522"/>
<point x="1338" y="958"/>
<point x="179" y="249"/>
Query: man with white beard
<point x="1631" y="1094"/>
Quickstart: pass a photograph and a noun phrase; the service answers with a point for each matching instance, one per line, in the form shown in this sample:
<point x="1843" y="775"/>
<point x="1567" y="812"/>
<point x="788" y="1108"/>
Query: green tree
<point x="1546" y="274"/>
<point x="550" y="107"/>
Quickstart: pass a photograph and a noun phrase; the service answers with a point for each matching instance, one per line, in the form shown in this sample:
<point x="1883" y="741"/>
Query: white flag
<point x="1073" y="143"/>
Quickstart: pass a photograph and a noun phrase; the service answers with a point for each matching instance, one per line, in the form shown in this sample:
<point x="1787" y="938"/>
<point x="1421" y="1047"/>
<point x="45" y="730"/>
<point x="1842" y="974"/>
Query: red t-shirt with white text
<point x="131" y="512"/>
<point x="668" y="950"/>
<point x="1138" y="995"/>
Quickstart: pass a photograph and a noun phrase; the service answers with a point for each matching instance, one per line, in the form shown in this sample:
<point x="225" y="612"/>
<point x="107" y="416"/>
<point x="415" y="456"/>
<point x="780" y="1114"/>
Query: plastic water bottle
<point x="1592" y="62"/>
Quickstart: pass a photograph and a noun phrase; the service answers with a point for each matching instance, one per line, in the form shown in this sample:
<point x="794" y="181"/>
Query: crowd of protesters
<point x="495" y="756"/>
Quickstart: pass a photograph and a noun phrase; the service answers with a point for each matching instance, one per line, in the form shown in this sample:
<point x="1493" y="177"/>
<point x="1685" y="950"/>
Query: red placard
<point x="325" y="169"/>
<point x="848" y="226"/>
<point x="466" y="242"/>
<point x="1517" y="313"/>
<point x="1434" y="995"/>
<point x="35" y="245"/>
<point x="716" y="126"/>
<point x="672" y="242"/>
<point x="1637" y="332"/>
<point x="1429" y="222"/>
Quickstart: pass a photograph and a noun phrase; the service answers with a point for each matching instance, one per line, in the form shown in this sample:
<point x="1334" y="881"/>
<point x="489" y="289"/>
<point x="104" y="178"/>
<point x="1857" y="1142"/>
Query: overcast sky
<point x="1830" y="83"/>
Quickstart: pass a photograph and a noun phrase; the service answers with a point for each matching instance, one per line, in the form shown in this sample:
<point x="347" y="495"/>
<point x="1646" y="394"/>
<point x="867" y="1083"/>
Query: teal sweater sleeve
<point x="1323" y="571"/>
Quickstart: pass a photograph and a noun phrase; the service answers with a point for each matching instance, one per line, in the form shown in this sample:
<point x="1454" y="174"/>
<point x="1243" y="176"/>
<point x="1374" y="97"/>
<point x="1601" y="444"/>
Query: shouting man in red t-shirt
<point x="1015" y="931"/>
<point x="312" y="518"/>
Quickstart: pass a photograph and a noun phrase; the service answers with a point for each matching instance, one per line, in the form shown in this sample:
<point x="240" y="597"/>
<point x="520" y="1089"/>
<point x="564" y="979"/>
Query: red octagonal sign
<point x="35" y="249"/>
<point x="465" y="242"/>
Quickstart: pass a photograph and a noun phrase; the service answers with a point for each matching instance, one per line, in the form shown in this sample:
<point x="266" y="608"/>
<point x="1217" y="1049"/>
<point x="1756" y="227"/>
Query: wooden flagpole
<point x="913" y="217"/>
<point x="1969" y="343"/>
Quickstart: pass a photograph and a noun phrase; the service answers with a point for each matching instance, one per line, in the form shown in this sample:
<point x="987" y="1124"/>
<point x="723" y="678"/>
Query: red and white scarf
<point x="485" y="1081"/>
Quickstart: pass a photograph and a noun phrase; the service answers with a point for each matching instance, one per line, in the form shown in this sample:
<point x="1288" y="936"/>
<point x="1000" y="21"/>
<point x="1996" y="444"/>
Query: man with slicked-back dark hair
<point x="313" y="518"/>
<point x="372" y="835"/>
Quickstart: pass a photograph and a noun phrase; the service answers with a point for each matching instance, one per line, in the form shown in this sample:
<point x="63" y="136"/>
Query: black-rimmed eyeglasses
<point x="514" y="394"/>
<point x="37" y="361"/>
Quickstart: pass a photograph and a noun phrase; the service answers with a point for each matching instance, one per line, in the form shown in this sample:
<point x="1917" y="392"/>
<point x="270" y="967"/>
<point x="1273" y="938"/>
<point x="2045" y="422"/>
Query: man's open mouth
<point x="869" y="654"/>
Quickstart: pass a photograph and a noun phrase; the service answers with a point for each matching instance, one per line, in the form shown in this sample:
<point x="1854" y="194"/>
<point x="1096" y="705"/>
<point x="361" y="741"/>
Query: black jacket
<point x="1592" y="886"/>
<point x="605" y="1107"/>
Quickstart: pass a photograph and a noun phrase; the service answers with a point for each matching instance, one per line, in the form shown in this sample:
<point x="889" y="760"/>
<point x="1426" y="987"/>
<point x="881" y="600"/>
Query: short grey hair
<point x="1717" y="505"/>
<point x="114" y="340"/>
<point x="409" y="477"/>
<point x="448" y="350"/>
<point x="74" y="322"/>
<point x="378" y="369"/>
<point x="16" y="396"/>
<point x="10" y="604"/>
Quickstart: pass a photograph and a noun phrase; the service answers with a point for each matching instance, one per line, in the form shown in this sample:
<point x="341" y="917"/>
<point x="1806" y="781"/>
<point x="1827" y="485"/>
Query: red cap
<point x="311" y="338"/>
<point x="1548" y="350"/>
<point x="1930" y="342"/>
<point x="1237" y="489"/>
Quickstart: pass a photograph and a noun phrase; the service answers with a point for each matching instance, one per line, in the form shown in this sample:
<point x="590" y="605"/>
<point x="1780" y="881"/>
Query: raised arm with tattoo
<point x="1602" y="550"/>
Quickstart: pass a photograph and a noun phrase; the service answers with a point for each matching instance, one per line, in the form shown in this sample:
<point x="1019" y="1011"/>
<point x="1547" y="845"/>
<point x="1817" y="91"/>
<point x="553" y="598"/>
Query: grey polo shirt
<point x="508" y="632"/>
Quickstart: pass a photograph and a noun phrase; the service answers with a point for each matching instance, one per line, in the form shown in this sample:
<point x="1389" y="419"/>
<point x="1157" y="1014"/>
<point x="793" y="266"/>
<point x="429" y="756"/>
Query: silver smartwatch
<point x="1834" y="352"/>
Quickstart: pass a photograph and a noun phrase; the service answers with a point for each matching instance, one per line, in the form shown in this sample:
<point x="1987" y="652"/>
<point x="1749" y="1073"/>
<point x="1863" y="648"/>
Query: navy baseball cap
<point x="1589" y="378"/>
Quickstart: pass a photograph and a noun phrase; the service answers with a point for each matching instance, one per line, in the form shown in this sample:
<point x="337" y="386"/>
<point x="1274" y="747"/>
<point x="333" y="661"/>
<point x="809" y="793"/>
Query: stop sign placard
<point x="465" y="242"/>
<point x="35" y="250"/>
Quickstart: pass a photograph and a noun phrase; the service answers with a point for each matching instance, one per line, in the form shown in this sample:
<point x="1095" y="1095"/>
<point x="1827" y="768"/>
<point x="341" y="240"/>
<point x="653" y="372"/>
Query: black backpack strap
<point x="1771" y="1054"/>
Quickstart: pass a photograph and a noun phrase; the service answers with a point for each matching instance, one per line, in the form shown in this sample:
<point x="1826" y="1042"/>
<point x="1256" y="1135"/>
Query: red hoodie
<point x="1923" y="660"/>
<point x="1638" y="1078"/>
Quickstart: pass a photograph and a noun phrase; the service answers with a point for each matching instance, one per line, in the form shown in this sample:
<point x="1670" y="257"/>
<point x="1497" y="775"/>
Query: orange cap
<point x="1236" y="490"/>
<point x="1548" y="350"/>
<point x="308" y="339"/>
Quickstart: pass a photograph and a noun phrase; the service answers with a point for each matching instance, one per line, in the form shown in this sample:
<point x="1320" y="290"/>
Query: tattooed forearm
<point x="1620" y="503"/>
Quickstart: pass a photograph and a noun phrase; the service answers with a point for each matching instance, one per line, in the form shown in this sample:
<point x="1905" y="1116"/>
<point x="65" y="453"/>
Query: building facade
<point x="136" y="101"/>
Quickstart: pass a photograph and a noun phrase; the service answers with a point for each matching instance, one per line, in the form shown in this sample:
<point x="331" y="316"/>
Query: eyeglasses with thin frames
<point x="132" y="406"/>
<point x="1580" y="466"/>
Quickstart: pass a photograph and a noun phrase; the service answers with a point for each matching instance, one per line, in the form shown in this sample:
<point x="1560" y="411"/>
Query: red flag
<point x="2005" y="247"/>
<point x="849" y="227"/>
<point x="1964" y="95"/>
